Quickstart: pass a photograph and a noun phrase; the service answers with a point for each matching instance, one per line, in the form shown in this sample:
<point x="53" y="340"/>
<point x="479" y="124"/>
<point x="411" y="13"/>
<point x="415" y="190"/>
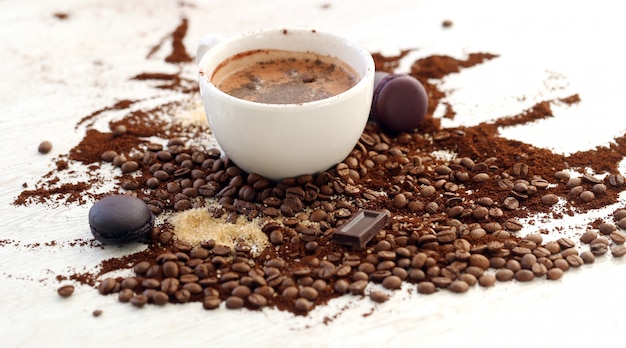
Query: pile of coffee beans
<point x="456" y="199"/>
<point x="453" y="224"/>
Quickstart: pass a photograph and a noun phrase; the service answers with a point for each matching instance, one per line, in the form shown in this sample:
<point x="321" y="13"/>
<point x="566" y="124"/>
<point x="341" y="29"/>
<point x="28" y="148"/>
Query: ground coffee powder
<point x="454" y="222"/>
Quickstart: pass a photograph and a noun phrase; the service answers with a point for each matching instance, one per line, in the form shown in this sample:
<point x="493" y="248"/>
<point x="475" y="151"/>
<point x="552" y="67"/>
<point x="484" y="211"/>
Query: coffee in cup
<point x="283" y="77"/>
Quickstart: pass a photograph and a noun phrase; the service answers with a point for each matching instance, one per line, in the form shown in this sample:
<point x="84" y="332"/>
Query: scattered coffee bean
<point x="618" y="237"/>
<point x="426" y="287"/>
<point x="66" y="290"/>
<point x="587" y="257"/>
<point x="378" y="296"/>
<point x="211" y="302"/>
<point x="504" y="275"/>
<point x="486" y="280"/>
<point x="554" y="273"/>
<point x="549" y="199"/>
<point x="524" y="275"/>
<point x="588" y="236"/>
<point x="234" y="302"/>
<point x="119" y="130"/>
<point x="139" y="300"/>
<point x="446" y="228"/>
<point x="44" y="147"/>
<point x="392" y="282"/>
<point x="618" y="250"/>
<point x="587" y="196"/>
<point x="303" y="305"/>
<point x="458" y="286"/>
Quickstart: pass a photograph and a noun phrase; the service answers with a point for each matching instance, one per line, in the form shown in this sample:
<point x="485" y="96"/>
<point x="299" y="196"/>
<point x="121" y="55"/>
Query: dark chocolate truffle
<point x="120" y="219"/>
<point x="400" y="102"/>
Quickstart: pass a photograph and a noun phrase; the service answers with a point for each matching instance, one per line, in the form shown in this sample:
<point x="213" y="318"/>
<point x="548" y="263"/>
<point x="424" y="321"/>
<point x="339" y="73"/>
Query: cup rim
<point x="203" y="76"/>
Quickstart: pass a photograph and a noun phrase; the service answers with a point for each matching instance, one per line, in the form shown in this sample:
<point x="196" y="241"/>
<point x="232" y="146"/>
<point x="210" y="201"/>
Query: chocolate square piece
<point x="361" y="228"/>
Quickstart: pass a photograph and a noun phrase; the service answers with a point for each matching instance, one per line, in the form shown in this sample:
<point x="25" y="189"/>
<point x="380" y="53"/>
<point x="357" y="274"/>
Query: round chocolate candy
<point x="120" y="219"/>
<point x="399" y="103"/>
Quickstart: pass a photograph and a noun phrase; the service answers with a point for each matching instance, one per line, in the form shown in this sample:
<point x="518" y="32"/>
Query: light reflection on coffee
<point x="283" y="77"/>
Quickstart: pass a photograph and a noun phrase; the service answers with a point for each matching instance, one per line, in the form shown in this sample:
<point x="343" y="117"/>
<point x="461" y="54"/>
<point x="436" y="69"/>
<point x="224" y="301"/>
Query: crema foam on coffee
<point x="283" y="77"/>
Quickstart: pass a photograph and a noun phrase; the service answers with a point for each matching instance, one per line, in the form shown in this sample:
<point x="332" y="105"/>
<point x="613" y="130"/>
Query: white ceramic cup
<point x="280" y="141"/>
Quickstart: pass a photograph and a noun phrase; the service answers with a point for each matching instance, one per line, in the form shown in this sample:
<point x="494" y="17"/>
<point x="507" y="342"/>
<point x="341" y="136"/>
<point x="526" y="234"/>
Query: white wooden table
<point x="53" y="72"/>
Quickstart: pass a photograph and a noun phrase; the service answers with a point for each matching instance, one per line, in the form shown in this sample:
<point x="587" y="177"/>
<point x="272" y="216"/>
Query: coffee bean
<point x="616" y="180"/>
<point x="234" y="302"/>
<point x="358" y="287"/>
<point x="160" y="298"/>
<point x="587" y="257"/>
<point x="241" y="291"/>
<point x="528" y="260"/>
<point x="426" y="287"/>
<point x="392" y="282"/>
<point x="541" y="252"/>
<point x="378" y="296"/>
<point x="549" y="199"/>
<point x="480" y="261"/>
<point x="562" y="264"/>
<point x="139" y="300"/>
<point x="65" y="290"/>
<point x="211" y="302"/>
<point x="480" y="212"/>
<point x="587" y="196"/>
<point x="486" y="280"/>
<point x="621" y="223"/>
<point x="510" y="203"/>
<point x="290" y="292"/>
<point x="588" y="236"/>
<point x="497" y="262"/>
<point x="561" y="175"/>
<point x="441" y="282"/>
<point x="478" y="233"/>
<point x="468" y="278"/>
<point x="119" y="130"/>
<point x="303" y="305"/>
<point x="618" y="250"/>
<point x="504" y="274"/>
<point x="108" y="286"/>
<point x="554" y="273"/>
<point x="129" y="166"/>
<point x="574" y="260"/>
<point x="458" y="286"/>
<point x="44" y="147"/>
<point x="129" y="283"/>
<point x="480" y="177"/>
<point x="618" y="237"/>
<point x="576" y="191"/>
<point x="257" y="301"/>
<point x="431" y="207"/>
<point x="341" y="286"/>
<point x="599" y="189"/>
<point x="182" y="295"/>
<point x="568" y="252"/>
<point x="606" y="228"/>
<point x="524" y="275"/>
<point x="309" y="293"/>
<point x="400" y="201"/>
<point x="553" y="247"/>
<point x="566" y="243"/>
<point x="125" y="295"/>
<point x="573" y="182"/>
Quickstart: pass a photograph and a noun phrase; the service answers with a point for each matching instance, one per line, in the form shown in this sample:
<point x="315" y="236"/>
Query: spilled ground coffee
<point x="453" y="221"/>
